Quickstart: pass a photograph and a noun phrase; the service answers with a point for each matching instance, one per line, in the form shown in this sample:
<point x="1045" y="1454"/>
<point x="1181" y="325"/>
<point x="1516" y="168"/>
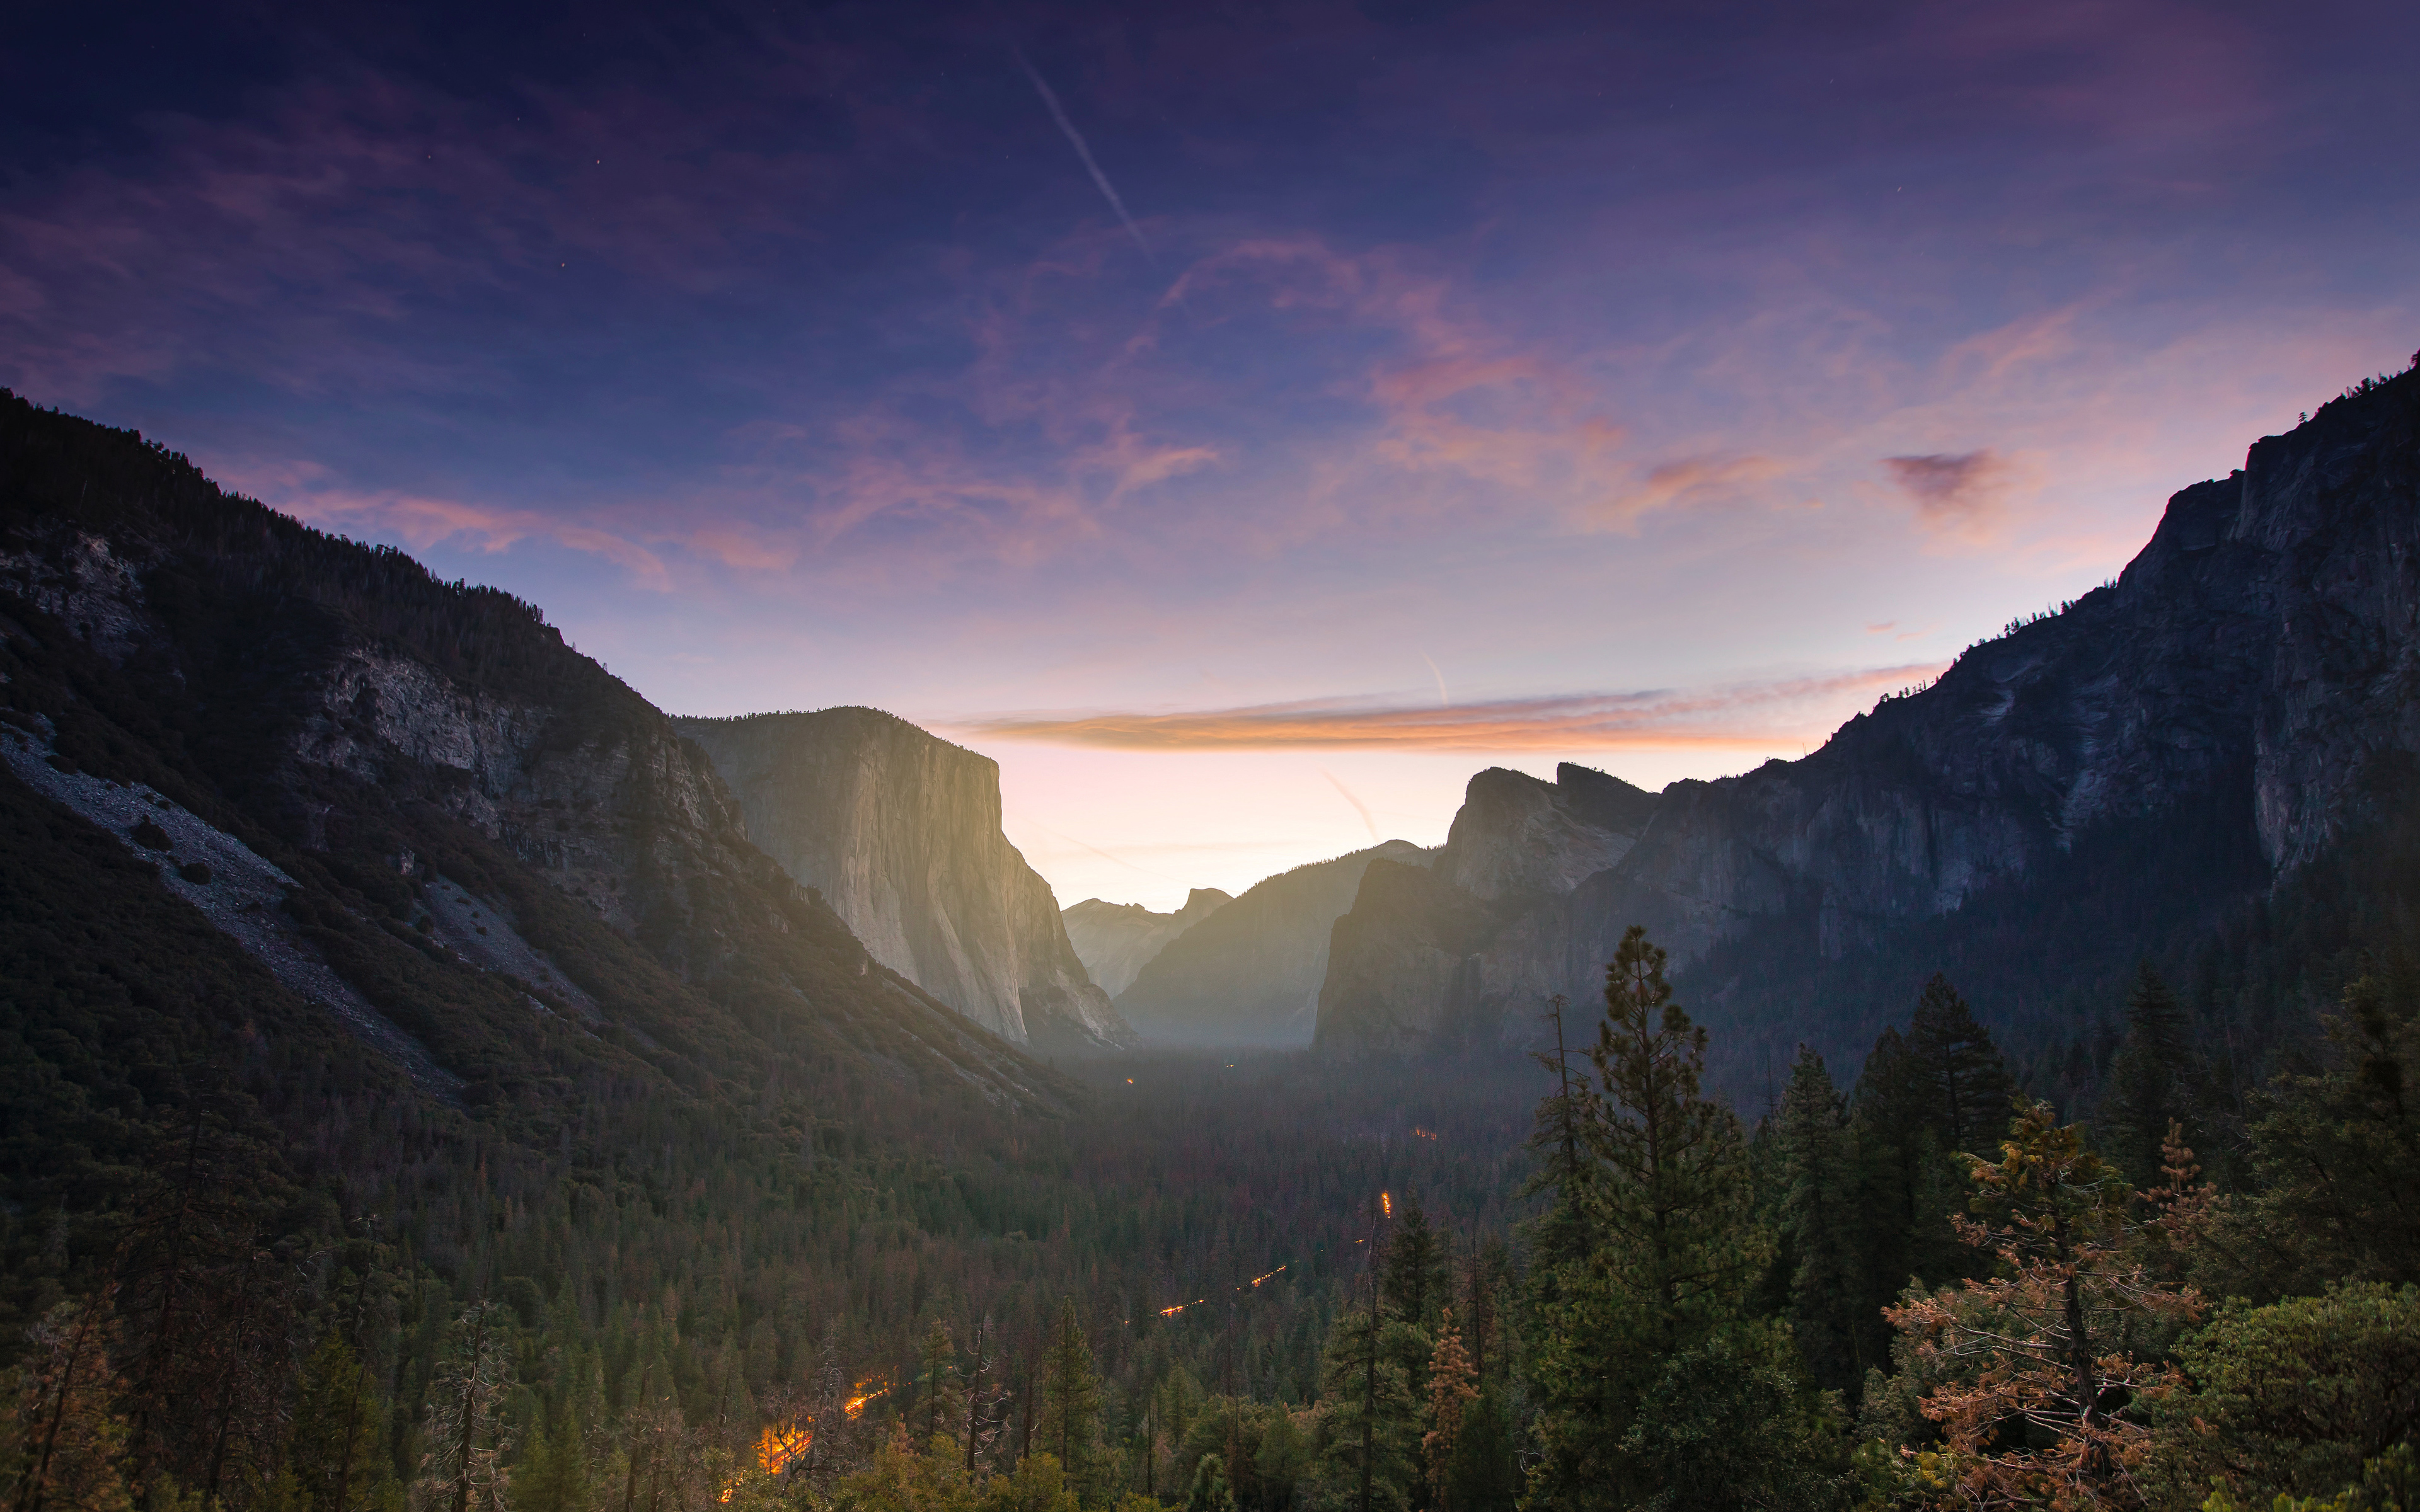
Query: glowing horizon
<point x="1241" y="426"/>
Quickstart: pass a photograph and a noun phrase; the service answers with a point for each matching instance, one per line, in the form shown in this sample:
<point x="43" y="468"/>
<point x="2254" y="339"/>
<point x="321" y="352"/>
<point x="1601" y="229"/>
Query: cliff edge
<point x="2197" y="729"/>
<point x="900" y="831"/>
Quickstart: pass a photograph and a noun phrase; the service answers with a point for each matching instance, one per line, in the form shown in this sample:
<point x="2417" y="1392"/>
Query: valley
<point x="427" y="1057"/>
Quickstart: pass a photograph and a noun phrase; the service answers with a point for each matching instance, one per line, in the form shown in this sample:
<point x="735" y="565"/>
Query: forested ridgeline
<point x="1920" y="1289"/>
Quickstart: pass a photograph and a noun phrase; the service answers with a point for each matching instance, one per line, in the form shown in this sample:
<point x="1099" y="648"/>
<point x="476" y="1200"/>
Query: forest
<point x="1281" y="1284"/>
<point x="780" y="1231"/>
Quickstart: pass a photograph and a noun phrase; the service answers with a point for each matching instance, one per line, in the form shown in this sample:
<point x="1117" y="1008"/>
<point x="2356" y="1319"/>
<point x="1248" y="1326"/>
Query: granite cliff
<point x="2207" y="723"/>
<point x="411" y="804"/>
<point x="1249" y="975"/>
<point x="1116" y="940"/>
<point x="900" y="832"/>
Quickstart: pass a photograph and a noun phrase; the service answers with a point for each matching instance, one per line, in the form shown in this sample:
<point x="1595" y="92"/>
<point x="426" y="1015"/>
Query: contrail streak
<point x="1360" y="807"/>
<point x="1097" y="851"/>
<point x="1075" y="139"/>
<point x="1443" y="701"/>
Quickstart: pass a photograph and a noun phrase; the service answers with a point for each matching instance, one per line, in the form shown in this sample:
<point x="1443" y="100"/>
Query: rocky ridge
<point x="358" y="726"/>
<point x="1250" y="973"/>
<point x="1115" y="941"/>
<point x="2248" y="670"/>
<point x="900" y="832"/>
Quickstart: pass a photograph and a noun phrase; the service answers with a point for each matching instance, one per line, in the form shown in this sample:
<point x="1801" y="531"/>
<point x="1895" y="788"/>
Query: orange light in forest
<point x="781" y="1443"/>
<point x="857" y="1403"/>
<point x="1386" y="1204"/>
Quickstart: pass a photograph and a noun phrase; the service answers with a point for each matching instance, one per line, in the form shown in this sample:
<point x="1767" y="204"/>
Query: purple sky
<point x="1463" y="385"/>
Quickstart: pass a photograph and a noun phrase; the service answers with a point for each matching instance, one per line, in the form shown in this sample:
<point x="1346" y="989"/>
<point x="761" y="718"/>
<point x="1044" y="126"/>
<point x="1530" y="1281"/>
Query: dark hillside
<point x="2142" y="774"/>
<point x="353" y="730"/>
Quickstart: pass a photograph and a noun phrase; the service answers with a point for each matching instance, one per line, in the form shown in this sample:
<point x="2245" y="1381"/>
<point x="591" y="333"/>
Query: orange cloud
<point x="736" y="547"/>
<point x="1771" y="716"/>
<point x="1691" y="480"/>
<point x="1454" y="402"/>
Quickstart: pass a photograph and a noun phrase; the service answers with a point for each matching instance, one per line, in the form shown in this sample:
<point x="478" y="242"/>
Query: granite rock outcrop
<point x="900" y="832"/>
<point x="334" y="710"/>
<point x="2247" y="671"/>
<point x="1115" y="941"/>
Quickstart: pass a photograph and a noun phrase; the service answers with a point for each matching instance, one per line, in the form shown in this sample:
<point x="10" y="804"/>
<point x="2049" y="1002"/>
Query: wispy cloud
<point x="1691" y="480"/>
<point x="310" y="493"/>
<point x="1780" y="715"/>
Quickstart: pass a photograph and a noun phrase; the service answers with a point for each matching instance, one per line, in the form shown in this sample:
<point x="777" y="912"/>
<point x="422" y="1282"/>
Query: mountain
<point x="2091" y="786"/>
<point x="899" y="831"/>
<point x="1116" y="940"/>
<point x="368" y="955"/>
<point x="405" y="806"/>
<point x="1249" y="974"/>
<point x="1407" y="968"/>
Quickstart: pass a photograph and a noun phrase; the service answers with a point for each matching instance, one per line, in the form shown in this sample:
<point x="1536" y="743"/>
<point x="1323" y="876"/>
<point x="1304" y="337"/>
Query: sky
<point x="1242" y="422"/>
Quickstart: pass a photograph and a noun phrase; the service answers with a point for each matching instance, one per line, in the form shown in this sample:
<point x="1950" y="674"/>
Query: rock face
<point x="900" y="832"/>
<point x="410" y="795"/>
<point x="1248" y="975"/>
<point x="1115" y="940"/>
<point x="1410" y="966"/>
<point x="2251" y="666"/>
<point x="1515" y="834"/>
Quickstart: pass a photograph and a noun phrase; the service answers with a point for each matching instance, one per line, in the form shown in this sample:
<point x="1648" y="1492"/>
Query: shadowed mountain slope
<point x="1249" y="975"/>
<point x="1117" y="940"/>
<point x="2170" y="745"/>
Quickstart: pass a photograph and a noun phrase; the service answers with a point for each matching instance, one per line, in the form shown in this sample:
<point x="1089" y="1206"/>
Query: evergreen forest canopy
<point x="752" y="1242"/>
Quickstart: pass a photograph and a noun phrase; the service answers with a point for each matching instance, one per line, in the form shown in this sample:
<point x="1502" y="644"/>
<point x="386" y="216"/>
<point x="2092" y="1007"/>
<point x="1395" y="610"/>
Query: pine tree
<point x="1283" y="1455"/>
<point x="1966" y="1070"/>
<point x="333" y="1451"/>
<point x="985" y="1400"/>
<point x="1369" y="1442"/>
<point x="1673" y="1203"/>
<point x="1675" y="1245"/>
<point x="1069" y="1423"/>
<point x="1907" y="1181"/>
<point x="1732" y="1424"/>
<point x="1559" y="1235"/>
<point x="940" y="1396"/>
<point x="1486" y="1265"/>
<point x="552" y="1476"/>
<point x="1572" y="1372"/>
<point x="1415" y="1265"/>
<point x="2338" y="1188"/>
<point x="2151" y="1080"/>
<point x="1209" y="1491"/>
<point x="1827" y="1288"/>
<point x="62" y="1438"/>
<point x="2050" y="1340"/>
<point x="463" y="1469"/>
<point x="1453" y="1387"/>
